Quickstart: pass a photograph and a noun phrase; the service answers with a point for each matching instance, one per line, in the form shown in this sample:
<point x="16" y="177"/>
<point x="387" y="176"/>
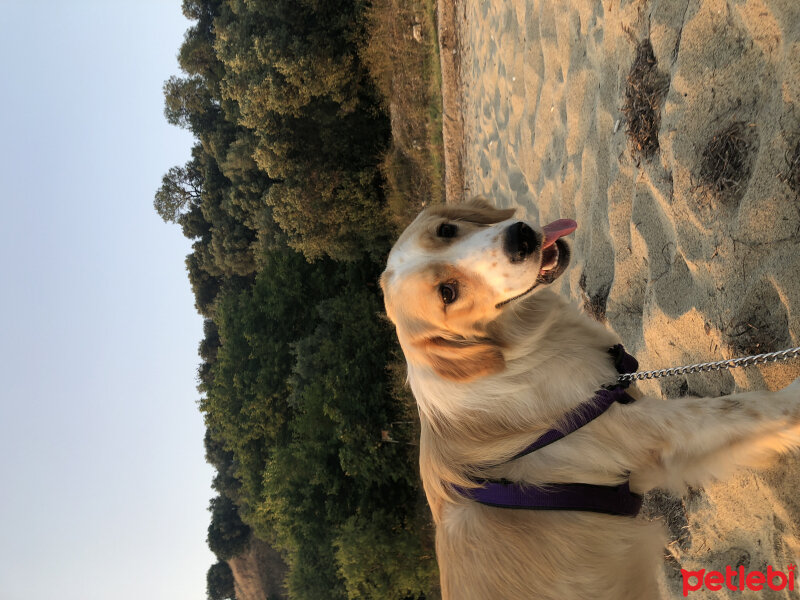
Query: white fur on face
<point x="480" y="252"/>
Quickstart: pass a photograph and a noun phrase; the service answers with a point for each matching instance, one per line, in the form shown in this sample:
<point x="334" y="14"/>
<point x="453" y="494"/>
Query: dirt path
<point x="453" y="114"/>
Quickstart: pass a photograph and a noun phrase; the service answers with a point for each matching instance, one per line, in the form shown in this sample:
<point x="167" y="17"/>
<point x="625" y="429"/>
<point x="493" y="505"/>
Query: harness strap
<point x="591" y="409"/>
<point x="583" y="414"/>
<point x="612" y="500"/>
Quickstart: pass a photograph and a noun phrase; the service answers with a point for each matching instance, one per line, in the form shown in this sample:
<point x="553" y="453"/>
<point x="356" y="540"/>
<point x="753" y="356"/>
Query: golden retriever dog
<point x="496" y="360"/>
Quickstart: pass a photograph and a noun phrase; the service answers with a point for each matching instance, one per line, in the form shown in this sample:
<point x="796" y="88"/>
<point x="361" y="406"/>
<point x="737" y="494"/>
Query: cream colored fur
<point x="533" y="360"/>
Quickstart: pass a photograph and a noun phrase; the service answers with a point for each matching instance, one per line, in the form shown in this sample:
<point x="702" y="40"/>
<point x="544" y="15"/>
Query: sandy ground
<point x="682" y="273"/>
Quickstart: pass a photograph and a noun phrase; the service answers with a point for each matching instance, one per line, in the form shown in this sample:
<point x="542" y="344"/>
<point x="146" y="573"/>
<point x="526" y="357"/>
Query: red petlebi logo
<point x="737" y="579"/>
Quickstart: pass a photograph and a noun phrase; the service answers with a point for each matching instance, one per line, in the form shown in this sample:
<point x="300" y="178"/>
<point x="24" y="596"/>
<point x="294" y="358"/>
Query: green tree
<point x="293" y="380"/>
<point x="335" y="465"/>
<point x="292" y="78"/>
<point x="227" y="535"/>
<point x="282" y="55"/>
<point x="197" y="55"/>
<point x="188" y="103"/>
<point x="337" y="213"/>
<point x="225" y="481"/>
<point x="247" y="403"/>
<point x="202" y="11"/>
<point x="205" y="286"/>
<point x="180" y="188"/>
<point x="219" y="582"/>
<point x="381" y="557"/>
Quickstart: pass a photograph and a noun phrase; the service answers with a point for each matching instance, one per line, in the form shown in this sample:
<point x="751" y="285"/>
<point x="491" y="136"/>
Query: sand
<point x="684" y="273"/>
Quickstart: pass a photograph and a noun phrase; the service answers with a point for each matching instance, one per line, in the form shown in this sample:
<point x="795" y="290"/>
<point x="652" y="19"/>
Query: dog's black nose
<point x="520" y="242"/>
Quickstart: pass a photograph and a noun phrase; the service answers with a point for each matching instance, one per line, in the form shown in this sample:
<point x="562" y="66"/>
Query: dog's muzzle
<point x="520" y="241"/>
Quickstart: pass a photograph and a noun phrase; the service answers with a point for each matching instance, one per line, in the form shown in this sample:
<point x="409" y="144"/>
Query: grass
<point x="402" y="55"/>
<point x="726" y="162"/>
<point x="645" y="90"/>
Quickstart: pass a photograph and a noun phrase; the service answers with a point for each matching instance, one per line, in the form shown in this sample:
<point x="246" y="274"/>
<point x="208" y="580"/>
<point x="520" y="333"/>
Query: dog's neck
<point x="549" y="368"/>
<point x="542" y="336"/>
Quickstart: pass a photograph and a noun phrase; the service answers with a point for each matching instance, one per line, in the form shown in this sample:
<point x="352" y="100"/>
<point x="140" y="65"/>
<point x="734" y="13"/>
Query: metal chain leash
<point x="746" y="361"/>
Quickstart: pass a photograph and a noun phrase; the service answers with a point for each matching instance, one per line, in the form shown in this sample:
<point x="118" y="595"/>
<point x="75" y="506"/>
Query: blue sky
<point x="103" y="485"/>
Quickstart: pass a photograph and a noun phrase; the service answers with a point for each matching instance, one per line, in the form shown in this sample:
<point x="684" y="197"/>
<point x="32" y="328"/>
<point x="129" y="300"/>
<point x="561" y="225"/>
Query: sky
<point x="103" y="484"/>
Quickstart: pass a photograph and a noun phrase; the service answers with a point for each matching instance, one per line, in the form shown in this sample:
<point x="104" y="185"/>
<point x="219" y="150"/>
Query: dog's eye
<point x="447" y="230"/>
<point x="449" y="292"/>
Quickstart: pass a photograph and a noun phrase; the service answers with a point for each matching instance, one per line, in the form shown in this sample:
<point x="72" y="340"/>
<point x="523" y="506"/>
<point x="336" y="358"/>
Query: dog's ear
<point x="384" y="281"/>
<point x="480" y="202"/>
<point x="462" y="360"/>
<point x="478" y="210"/>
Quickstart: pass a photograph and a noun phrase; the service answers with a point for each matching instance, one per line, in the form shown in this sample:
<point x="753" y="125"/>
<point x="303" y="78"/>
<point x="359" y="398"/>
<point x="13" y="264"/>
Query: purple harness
<point x="612" y="500"/>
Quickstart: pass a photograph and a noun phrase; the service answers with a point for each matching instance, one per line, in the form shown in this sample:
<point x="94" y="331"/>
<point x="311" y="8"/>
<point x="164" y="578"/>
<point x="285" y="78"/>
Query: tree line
<point x="283" y="201"/>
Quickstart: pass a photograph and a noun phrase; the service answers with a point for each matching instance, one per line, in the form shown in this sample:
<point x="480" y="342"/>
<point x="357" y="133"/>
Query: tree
<point x="282" y="55"/>
<point x="220" y="583"/>
<point x="246" y="403"/>
<point x="225" y="481"/>
<point x="292" y="77"/>
<point x="188" y="103"/>
<point x="197" y="55"/>
<point x="200" y="10"/>
<point x="293" y="381"/>
<point x="180" y="188"/>
<point x="205" y="286"/>
<point x="379" y="556"/>
<point x="334" y="213"/>
<point x="227" y="535"/>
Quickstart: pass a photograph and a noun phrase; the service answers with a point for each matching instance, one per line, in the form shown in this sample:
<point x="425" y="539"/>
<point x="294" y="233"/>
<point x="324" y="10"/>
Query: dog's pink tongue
<point x="557" y="229"/>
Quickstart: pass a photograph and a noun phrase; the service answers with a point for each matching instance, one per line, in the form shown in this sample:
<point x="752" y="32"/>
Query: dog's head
<point x="452" y="273"/>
